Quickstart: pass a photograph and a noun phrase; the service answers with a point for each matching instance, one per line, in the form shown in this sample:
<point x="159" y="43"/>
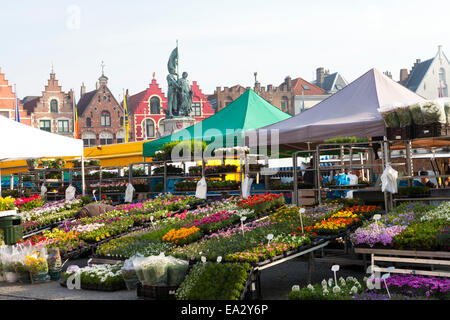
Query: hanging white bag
<point x="246" y="186"/>
<point x="202" y="189"/>
<point x="129" y="193"/>
<point x="43" y="191"/>
<point x="70" y="192"/>
<point x="389" y="180"/>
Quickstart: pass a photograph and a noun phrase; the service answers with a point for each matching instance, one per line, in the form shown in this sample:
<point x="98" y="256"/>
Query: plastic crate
<point x="428" y="130"/>
<point x="403" y="133"/>
<point x="156" y="292"/>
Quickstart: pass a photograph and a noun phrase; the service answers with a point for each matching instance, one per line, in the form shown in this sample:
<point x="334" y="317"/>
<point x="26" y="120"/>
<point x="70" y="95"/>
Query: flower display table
<point x="426" y="258"/>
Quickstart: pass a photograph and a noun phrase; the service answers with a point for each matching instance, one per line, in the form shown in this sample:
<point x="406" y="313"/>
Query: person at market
<point x="425" y="181"/>
<point x="309" y="176"/>
<point x="447" y="182"/>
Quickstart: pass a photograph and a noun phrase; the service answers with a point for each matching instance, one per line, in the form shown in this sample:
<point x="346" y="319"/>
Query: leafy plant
<point x="214" y="281"/>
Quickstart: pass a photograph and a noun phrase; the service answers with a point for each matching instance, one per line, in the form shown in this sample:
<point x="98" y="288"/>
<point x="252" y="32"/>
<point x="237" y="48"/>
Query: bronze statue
<point x="186" y="94"/>
<point x="179" y="95"/>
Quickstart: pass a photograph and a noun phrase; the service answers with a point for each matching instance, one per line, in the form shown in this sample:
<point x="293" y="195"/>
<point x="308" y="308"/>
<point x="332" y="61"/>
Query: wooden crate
<point x="306" y="197"/>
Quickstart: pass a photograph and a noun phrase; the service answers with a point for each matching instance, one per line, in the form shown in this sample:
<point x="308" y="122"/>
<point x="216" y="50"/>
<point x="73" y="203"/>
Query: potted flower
<point x="32" y="163"/>
<point x="36" y="262"/>
<point x="7" y="206"/>
<point x="54" y="263"/>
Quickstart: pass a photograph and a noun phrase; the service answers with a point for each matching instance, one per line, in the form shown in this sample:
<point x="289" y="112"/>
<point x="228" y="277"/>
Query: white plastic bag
<point x="246" y="186"/>
<point x="70" y="192"/>
<point x="43" y="191"/>
<point x="202" y="189"/>
<point x="129" y="193"/>
<point x="389" y="180"/>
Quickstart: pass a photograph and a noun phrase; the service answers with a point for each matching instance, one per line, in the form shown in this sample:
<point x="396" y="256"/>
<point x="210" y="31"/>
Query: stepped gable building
<point x="53" y="111"/>
<point x="8" y="102"/>
<point x="147" y="109"/>
<point x="428" y="78"/>
<point x="292" y="96"/>
<point x="100" y="116"/>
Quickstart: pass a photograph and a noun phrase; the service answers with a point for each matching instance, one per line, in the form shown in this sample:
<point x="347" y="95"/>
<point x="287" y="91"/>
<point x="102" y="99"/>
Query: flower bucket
<point x="131" y="283"/>
<point x="55" y="275"/>
<point x="24" y="277"/>
<point x="11" y="277"/>
<point x="39" y="277"/>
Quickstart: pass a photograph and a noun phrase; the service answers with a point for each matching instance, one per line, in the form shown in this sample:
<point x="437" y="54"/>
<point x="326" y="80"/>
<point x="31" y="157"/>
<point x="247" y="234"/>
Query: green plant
<point x="420" y="235"/>
<point x="191" y="146"/>
<point x="214" y="281"/>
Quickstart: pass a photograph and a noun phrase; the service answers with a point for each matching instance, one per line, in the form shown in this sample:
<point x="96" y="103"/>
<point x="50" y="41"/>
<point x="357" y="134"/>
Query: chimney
<point x="287" y="82"/>
<point x="320" y="75"/>
<point x="83" y="89"/>
<point x="388" y="74"/>
<point x="403" y="75"/>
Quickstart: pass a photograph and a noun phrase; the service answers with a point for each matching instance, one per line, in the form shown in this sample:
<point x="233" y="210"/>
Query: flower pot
<point x="11" y="277"/>
<point x="39" y="277"/>
<point x="55" y="275"/>
<point x="24" y="277"/>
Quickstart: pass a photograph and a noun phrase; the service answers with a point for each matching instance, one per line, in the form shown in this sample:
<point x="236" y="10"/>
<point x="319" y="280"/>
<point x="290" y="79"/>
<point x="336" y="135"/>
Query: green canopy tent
<point x="248" y="112"/>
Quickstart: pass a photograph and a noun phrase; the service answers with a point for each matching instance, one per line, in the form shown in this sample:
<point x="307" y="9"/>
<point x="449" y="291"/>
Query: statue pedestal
<point x="176" y="124"/>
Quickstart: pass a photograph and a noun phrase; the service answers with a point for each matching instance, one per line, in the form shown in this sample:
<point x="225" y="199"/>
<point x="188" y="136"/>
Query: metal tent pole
<point x="83" y="185"/>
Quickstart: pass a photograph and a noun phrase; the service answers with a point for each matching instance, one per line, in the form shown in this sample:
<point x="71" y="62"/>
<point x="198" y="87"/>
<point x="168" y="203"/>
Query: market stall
<point x="247" y="112"/>
<point x="20" y="141"/>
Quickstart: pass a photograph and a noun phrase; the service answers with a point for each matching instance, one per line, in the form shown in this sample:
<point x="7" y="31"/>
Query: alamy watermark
<point x="73" y="21"/>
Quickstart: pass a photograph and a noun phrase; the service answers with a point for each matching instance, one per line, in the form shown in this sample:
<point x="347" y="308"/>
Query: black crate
<point x="403" y="133"/>
<point x="426" y="130"/>
<point x="156" y="292"/>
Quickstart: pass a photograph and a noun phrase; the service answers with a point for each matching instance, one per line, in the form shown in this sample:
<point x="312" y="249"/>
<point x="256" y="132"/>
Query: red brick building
<point x="100" y="116"/>
<point x="8" y="102"/>
<point x="147" y="110"/>
<point x="53" y="111"/>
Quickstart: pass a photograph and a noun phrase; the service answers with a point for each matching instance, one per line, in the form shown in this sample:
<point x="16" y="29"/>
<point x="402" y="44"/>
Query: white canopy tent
<point x="19" y="141"/>
<point x="352" y="111"/>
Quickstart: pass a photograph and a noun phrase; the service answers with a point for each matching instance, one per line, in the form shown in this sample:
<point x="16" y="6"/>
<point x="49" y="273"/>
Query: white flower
<point x="354" y="289"/>
<point x="324" y="282"/>
<point x="330" y="282"/>
<point x="310" y="287"/>
<point x="325" y="291"/>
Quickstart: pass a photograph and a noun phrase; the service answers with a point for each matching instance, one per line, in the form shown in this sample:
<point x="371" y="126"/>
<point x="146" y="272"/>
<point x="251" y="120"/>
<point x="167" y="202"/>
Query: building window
<point x="54" y="106"/>
<point x="121" y="121"/>
<point x="106" y="138"/>
<point x="45" y="125"/>
<point x="63" y="125"/>
<point x="120" y="136"/>
<point x="4" y="113"/>
<point x="196" y="109"/>
<point x="155" y="105"/>
<point x="284" y="103"/>
<point x="89" y="139"/>
<point x="149" y="128"/>
<point x="106" y="119"/>
<point x="88" y="122"/>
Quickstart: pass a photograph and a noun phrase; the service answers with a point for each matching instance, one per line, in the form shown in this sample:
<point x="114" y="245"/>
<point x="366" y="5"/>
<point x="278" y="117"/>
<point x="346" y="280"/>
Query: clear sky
<point x="221" y="43"/>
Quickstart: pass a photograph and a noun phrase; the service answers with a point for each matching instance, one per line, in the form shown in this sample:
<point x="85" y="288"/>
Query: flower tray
<point x="156" y="292"/>
<point x="101" y="287"/>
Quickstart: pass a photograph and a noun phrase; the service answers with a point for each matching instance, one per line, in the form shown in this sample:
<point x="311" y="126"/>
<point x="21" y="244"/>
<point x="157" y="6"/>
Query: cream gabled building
<point x="429" y="78"/>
